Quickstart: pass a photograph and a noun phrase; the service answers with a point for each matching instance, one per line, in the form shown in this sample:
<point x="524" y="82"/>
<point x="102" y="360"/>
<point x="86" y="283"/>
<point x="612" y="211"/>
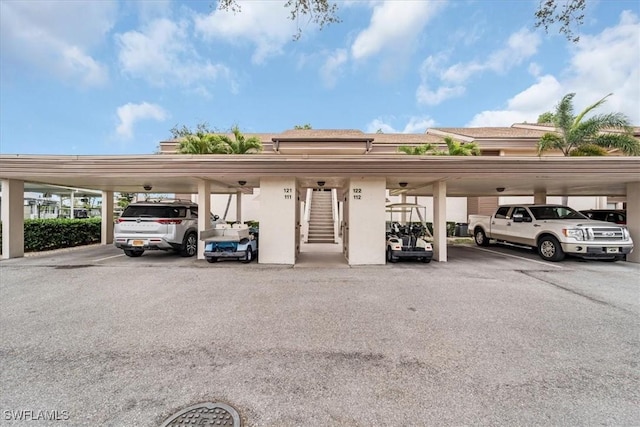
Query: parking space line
<point x="519" y="257"/>
<point x="109" y="257"/>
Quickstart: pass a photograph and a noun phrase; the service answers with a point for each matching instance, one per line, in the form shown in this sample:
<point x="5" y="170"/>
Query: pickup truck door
<point x="520" y="226"/>
<point x="499" y="223"/>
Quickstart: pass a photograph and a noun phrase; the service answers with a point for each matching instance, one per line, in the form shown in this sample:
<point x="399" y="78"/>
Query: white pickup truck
<point x="554" y="230"/>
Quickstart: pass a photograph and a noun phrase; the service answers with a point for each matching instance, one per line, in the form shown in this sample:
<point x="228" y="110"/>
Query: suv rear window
<point x="154" y="211"/>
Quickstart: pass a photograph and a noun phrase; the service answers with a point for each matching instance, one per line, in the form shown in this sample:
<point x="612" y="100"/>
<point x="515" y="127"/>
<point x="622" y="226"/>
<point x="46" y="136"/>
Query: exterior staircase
<point x="321" y="218"/>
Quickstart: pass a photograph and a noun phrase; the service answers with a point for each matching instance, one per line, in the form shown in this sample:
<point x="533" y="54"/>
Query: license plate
<point x="612" y="250"/>
<point x="137" y="243"/>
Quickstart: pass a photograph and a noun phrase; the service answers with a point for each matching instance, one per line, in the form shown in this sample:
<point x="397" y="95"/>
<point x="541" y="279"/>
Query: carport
<point x="280" y="175"/>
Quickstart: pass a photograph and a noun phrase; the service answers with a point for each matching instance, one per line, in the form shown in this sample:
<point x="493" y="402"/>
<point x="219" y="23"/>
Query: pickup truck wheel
<point x="189" y="246"/>
<point x="549" y="249"/>
<point x="132" y="253"/>
<point x="390" y="257"/>
<point x="480" y="237"/>
<point x="248" y="257"/>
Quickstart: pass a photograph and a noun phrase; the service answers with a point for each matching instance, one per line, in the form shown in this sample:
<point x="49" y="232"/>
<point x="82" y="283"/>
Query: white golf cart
<point x="411" y="240"/>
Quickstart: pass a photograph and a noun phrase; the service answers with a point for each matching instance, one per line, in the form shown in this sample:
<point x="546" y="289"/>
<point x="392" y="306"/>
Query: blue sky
<point x="113" y="77"/>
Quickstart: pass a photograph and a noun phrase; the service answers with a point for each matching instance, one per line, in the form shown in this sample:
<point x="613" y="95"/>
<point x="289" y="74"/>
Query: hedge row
<point x="47" y="234"/>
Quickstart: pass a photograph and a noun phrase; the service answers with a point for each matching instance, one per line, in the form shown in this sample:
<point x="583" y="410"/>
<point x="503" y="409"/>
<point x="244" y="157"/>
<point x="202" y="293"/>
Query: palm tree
<point x="204" y="142"/>
<point x="238" y="145"/>
<point x="460" y="148"/>
<point x="198" y="143"/>
<point x="576" y="135"/>
<point x="454" y="148"/>
<point x="417" y="150"/>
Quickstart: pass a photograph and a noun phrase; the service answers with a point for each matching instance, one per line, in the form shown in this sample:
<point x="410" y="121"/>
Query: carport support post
<point x="367" y="221"/>
<point x="106" y="237"/>
<point x="278" y="204"/>
<point x="239" y="207"/>
<point x="12" y="218"/>
<point x="633" y="219"/>
<point x="540" y="197"/>
<point x="440" y="221"/>
<point x="204" y="210"/>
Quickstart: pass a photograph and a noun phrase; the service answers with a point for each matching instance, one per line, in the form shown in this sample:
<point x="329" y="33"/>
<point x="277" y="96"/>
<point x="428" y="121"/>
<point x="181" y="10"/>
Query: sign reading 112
<point x="357" y="193"/>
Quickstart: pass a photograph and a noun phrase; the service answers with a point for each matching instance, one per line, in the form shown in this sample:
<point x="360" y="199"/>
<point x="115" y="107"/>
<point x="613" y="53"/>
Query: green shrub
<point x="47" y="234"/>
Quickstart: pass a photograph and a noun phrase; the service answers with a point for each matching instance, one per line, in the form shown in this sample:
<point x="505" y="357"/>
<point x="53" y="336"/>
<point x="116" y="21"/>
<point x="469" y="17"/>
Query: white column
<point x="633" y="219"/>
<point x="403" y="214"/>
<point x="278" y="201"/>
<point x="601" y="202"/>
<point x="204" y="212"/>
<point x="239" y="207"/>
<point x="540" y="197"/>
<point x="106" y="236"/>
<point x="366" y="221"/>
<point x="12" y="217"/>
<point x="73" y="203"/>
<point x="440" y="221"/>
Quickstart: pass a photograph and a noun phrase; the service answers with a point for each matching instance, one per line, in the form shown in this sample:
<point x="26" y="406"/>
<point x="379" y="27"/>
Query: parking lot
<point x="495" y="336"/>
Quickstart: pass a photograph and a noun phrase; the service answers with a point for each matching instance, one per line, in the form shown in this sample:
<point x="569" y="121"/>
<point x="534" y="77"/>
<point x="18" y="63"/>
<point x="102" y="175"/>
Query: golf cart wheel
<point x="248" y="257"/>
<point x="189" y="246"/>
<point x="133" y="253"/>
<point x="426" y="259"/>
<point x="212" y="259"/>
<point x="390" y="257"/>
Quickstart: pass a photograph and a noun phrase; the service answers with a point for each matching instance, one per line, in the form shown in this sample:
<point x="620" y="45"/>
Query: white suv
<point x="168" y="224"/>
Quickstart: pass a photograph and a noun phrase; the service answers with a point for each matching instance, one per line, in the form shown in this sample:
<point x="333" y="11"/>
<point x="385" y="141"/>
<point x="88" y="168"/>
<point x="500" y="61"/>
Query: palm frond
<point x="625" y="142"/>
<point x="550" y="141"/>
<point x="564" y="113"/>
<point x="590" y="108"/>
<point x="417" y="150"/>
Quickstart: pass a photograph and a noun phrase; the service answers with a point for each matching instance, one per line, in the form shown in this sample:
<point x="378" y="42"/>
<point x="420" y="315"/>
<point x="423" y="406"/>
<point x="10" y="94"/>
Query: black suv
<point x="616" y="216"/>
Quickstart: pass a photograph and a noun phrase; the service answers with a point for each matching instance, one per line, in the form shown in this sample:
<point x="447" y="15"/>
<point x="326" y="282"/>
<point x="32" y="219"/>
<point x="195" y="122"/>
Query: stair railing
<point x="307" y="216"/>
<point x="336" y="219"/>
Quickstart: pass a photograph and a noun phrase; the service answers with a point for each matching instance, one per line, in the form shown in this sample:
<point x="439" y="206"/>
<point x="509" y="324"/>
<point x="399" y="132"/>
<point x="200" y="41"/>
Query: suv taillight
<point x="169" y="221"/>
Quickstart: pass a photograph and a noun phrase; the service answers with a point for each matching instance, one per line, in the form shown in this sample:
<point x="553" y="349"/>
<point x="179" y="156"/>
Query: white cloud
<point x="525" y="106"/>
<point x="263" y="24"/>
<point x="162" y="54"/>
<point x="415" y="125"/>
<point x="439" y="83"/>
<point x="520" y="46"/>
<point x="57" y="37"/>
<point x="394" y="25"/>
<point x="434" y="97"/>
<point x="129" y="114"/>
<point x="608" y="62"/>
<point x="332" y="67"/>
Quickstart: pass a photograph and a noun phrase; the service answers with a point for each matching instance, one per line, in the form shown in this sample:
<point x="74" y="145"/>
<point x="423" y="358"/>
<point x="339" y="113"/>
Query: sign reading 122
<point x="357" y="193"/>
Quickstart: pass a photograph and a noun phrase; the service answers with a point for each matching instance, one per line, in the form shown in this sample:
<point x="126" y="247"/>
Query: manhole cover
<point x="205" y="414"/>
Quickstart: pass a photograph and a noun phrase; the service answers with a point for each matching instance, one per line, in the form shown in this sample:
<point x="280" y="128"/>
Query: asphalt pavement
<point x="492" y="337"/>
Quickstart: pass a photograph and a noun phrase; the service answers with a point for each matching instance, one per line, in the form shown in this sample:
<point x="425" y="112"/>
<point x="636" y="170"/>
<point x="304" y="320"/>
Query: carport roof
<point x="465" y="176"/>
